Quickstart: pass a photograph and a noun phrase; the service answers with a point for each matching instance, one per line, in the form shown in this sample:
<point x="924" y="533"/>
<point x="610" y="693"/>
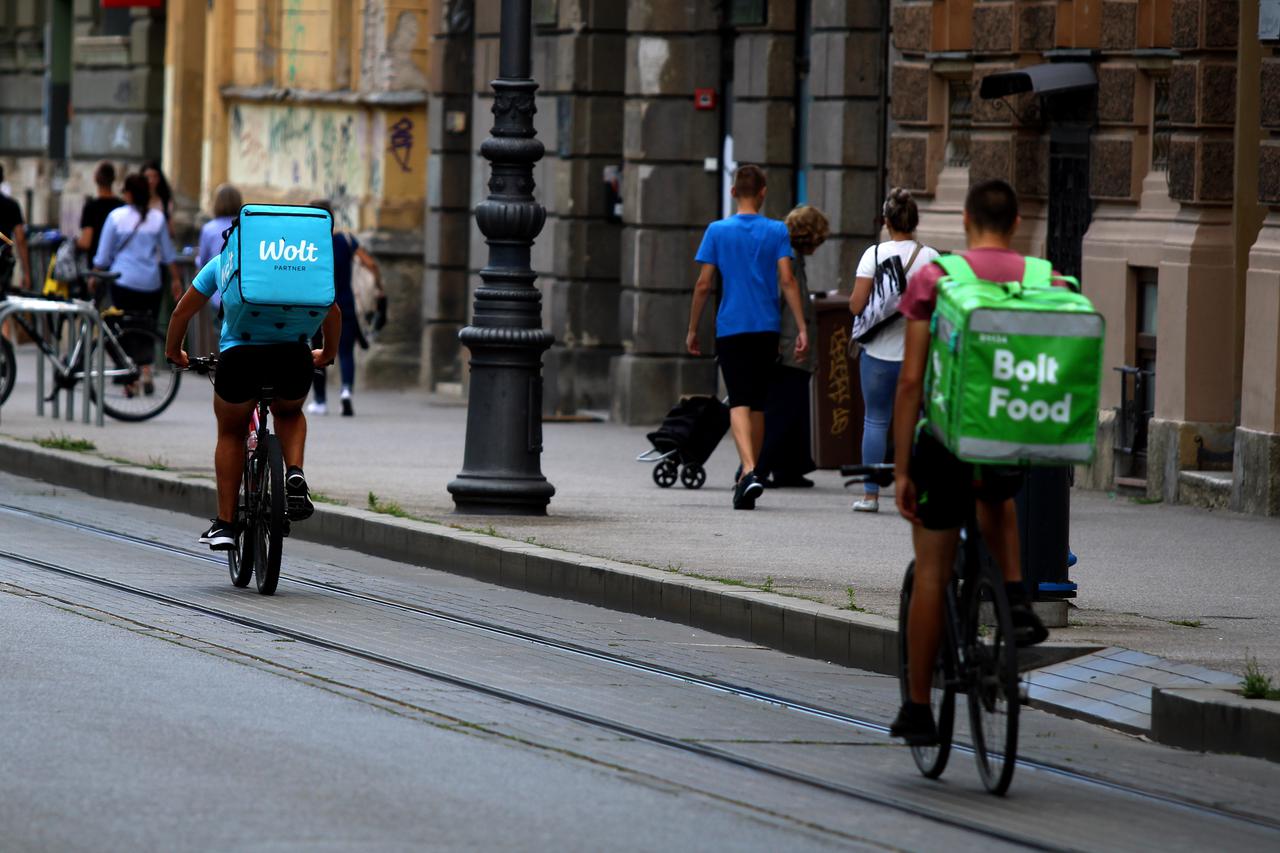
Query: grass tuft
<point x="58" y="441"/>
<point x="387" y="507"/>
<point x="1256" y="685"/>
<point x="853" y="601"/>
<point x="321" y="497"/>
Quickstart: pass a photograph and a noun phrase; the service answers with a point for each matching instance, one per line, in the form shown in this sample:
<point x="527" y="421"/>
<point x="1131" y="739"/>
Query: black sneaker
<point x="748" y="489"/>
<point x="914" y="724"/>
<point x="347" y="409"/>
<point x="297" y="495"/>
<point x="221" y="535"/>
<point x="1028" y="630"/>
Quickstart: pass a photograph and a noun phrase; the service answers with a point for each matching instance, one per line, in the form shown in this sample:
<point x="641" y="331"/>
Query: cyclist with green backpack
<point x="1005" y="370"/>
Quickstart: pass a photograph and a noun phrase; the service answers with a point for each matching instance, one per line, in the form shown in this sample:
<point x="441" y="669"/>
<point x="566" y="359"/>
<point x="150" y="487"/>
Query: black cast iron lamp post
<point x="501" y="467"/>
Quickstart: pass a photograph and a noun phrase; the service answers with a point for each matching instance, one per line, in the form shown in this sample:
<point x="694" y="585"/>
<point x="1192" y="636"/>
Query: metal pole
<point x="102" y="366"/>
<point x="501" y="468"/>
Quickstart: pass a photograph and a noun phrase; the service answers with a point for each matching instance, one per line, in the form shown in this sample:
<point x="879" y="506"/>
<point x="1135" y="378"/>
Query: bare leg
<point x="291" y="427"/>
<point x="999" y="525"/>
<point x="935" y="555"/>
<point x="741" y="424"/>
<point x="228" y="459"/>
<point x="757" y="437"/>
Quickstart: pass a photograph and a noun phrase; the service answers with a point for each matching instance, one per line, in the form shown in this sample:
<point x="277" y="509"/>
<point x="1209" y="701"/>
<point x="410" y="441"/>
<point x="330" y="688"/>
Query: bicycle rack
<point x="86" y="329"/>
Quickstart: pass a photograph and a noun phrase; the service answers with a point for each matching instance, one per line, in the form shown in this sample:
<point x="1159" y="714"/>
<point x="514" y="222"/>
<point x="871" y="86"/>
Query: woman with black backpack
<point x="878" y="328"/>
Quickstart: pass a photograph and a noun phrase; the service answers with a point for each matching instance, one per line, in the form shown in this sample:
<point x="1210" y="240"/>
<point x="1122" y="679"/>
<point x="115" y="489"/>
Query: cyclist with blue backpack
<point x="275" y="278"/>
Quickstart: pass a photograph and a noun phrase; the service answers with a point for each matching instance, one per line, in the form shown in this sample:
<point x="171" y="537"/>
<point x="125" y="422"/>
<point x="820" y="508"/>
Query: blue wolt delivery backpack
<point x="277" y="273"/>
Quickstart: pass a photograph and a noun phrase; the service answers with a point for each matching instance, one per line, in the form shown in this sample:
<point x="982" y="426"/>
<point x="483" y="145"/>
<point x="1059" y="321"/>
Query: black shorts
<point x="746" y="363"/>
<point x="246" y="369"/>
<point x="946" y="487"/>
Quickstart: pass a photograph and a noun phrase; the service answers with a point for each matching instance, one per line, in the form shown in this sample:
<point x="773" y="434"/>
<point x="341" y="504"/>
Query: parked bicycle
<point x="138" y="384"/>
<point x="977" y="657"/>
<point x="261" y="518"/>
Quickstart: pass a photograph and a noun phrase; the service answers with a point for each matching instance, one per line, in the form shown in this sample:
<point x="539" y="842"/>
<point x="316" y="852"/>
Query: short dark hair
<point x="992" y="206"/>
<point x="900" y="211"/>
<point x="105" y="174"/>
<point x="749" y="181"/>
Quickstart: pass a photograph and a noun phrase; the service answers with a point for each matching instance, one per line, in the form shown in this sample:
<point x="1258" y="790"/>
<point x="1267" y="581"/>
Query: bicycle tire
<point x="992" y="665"/>
<point x="271" y="509"/>
<point x="931" y="760"/>
<point x="120" y="369"/>
<point x="240" y="558"/>
<point x="8" y="370"/>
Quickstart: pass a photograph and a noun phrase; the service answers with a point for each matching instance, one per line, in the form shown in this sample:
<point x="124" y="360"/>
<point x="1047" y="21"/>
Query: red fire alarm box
<point x="704" y="99"/>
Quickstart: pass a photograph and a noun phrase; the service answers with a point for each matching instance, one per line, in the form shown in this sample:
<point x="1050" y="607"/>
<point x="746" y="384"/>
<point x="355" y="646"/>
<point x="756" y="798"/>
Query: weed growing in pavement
<point x="387" y="507"/>
<point x="157" y="463"/>
<point x="853" y="601"/>
<point x="1187" y="623"/>
<point x="59" y="441"/>
<point x="767" y="586"/>
<point x="321" y="497"/>
<point x="1256" y="685"/>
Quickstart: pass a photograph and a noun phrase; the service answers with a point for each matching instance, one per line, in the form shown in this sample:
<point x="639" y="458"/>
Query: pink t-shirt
<point x="921" y="296"/>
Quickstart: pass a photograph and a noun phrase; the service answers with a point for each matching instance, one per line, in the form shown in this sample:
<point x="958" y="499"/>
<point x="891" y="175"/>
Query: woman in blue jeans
<point x="885" y="265"/>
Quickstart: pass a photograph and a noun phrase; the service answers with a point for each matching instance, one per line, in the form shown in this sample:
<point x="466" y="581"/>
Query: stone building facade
<point x="298" y="99"/>
<point x="116" y="99"/>
<point x="797" y="84"/>
<point x="1180" y="251"/>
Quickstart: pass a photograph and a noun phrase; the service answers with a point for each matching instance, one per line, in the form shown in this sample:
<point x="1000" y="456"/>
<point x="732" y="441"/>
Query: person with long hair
<point x="161" y="192"/>
<point x="135" y="243"/>
<point x="886" y="264"/>
<point x="227" y="202"/>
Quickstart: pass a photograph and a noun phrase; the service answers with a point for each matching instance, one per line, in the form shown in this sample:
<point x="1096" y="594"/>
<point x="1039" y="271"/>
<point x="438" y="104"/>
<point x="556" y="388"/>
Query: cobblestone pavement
<point x="1189" y="585"/>
<point x="137" y="723"/>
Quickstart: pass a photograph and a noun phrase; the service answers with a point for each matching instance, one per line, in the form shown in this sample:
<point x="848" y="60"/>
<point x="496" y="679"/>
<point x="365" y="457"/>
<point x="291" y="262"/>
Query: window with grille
<point x="959" y="122"/>
<point x="1161" y="130"/>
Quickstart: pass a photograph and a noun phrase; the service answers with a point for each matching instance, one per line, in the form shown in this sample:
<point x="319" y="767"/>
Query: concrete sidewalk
<point x="1144" y="568"/>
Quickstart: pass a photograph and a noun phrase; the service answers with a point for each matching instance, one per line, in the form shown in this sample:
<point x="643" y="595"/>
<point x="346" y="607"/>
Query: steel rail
<point x="658" y="670"/>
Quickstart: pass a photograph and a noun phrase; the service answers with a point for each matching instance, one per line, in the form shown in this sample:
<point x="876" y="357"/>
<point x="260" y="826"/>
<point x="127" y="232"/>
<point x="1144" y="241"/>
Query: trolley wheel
<point x="693" y="476"/>
<point x="664" y="473"/>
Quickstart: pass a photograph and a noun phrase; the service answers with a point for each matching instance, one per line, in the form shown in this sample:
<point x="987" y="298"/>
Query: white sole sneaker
<point x="865" y="505"/>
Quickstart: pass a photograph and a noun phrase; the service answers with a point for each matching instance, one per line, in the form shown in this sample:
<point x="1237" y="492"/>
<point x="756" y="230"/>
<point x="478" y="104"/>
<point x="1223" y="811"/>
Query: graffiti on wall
<point x="304" y="151"/>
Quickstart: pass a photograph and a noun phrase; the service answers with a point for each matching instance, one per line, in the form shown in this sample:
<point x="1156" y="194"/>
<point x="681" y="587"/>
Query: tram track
<point x="607" y="658"/>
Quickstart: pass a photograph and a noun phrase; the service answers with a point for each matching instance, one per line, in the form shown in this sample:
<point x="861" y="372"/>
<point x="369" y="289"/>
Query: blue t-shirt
<point x="746" y="249"/>
<point x="206" y="281"/>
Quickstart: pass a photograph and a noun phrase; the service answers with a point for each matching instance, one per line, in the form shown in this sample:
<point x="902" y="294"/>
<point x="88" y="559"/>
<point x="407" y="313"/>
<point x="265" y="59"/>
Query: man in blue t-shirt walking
<point x="753" y="255"/>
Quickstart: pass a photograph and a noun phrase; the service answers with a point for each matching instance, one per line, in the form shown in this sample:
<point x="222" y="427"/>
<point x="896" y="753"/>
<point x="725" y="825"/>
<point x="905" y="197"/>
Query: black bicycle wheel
<point x="270" y="534"/>
<point x="8" y="370"/>
<point x="240" y="558"/>
<point x="931" y="760"/>
<point x="992" y="665"/>
<point x="139" y="382"/>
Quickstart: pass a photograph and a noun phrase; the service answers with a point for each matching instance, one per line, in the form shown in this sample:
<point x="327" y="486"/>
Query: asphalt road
<point x="219" y="719"/>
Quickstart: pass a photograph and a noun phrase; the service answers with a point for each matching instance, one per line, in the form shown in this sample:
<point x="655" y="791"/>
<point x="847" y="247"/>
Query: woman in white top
<point x="882" y="354"/>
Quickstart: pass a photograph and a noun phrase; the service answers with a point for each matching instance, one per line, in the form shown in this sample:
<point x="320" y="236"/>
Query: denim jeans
<point x="879" y="386"/>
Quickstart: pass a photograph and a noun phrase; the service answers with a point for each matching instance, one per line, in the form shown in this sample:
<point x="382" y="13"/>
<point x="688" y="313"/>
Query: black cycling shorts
<point x="946" y="487"/>
<point x="245" y="369"/>
<point x="746" y="363"/>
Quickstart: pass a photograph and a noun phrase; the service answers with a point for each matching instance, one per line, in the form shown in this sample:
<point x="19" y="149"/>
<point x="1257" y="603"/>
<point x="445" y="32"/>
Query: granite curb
<point x="1211" y="719"/>
<point x="797" y="626"/>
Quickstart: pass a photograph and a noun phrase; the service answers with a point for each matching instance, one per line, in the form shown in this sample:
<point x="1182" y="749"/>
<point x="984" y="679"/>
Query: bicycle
<point x="261" y="505"/>
<point x="132" y="392"/>
<point x="977" y="657"/>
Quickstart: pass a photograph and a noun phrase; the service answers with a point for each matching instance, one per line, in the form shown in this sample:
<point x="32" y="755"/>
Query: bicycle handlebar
<point x="203" y="365"/>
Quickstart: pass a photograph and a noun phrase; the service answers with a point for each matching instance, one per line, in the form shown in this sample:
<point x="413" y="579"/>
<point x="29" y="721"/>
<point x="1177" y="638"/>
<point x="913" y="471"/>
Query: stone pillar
<point x="183" y="121"/>
<point x="449" y="223"/>
<point x="846" y="76"/>
<point x="1197" y="369"/>
<point x="668" y="199"/>
<point x="579" y="119"/>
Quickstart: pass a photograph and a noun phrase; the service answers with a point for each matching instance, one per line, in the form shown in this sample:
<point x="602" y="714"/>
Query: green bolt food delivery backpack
<point x="1014" y="368"/>
<point x="276" y="276"/>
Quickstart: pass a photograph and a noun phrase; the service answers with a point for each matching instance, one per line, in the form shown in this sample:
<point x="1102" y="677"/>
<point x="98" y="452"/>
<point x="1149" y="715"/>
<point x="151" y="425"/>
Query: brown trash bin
<point x="837" y="391"/>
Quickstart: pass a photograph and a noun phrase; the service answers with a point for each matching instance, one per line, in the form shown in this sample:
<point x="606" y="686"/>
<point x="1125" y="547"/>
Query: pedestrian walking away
<point x="13" y="227"/>
<point x="226" y="206"/>
<point x="135" y="243"/>
<point x="787" y="454"/>
<point x="879" y="328"/>
<point x="753" y="255"/>
<point x="346" y="252"/>
<point x="934" y="489"/>
<point x="93" y="216"/>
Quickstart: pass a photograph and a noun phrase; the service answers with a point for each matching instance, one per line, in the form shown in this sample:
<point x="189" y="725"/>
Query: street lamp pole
<point x="501" y="468"/>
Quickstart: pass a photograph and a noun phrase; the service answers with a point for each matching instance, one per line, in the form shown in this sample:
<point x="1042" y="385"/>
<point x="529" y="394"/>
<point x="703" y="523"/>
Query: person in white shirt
<point x="889" y="263"/>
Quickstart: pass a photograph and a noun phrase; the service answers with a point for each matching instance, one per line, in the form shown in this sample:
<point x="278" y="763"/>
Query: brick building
<point x="618" y="84"/>
<point x="1177" y="244"/>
